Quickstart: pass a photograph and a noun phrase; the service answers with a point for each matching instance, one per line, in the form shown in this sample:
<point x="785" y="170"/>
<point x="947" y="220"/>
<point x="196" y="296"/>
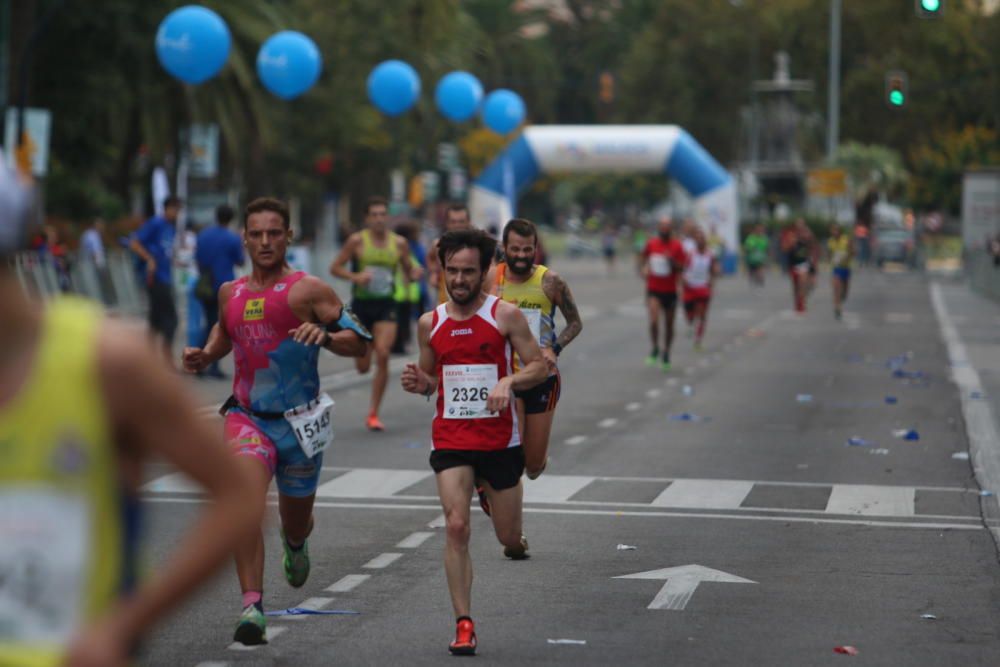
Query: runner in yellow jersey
<point x="456" y="218"/>
<point x="841" y="257"/>
<point x="374" y="254"/>
<point x="538" y="291"/>
<point x="84" y="403"/>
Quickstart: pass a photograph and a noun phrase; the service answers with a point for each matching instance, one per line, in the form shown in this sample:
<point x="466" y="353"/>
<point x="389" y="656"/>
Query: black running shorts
<point x="502" y="468"/>
<point x="667" y="299"/>
<point x="372" y="311"/>
<point x="542" y="397"/>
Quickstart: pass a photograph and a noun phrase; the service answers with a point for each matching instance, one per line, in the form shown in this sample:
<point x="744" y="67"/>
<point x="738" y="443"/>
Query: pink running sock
<point x="251" y="597"/>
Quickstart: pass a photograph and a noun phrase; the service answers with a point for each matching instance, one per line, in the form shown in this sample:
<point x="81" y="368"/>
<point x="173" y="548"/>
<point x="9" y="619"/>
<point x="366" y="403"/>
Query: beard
<point x="520" y="266"/>
<point x="464" y="299"/>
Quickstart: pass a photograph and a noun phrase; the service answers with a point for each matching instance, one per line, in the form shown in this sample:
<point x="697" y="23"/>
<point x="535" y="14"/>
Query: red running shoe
<point x="373" y="423"/>
<point x="484" y="502"/>
<point x="465" y="637"/>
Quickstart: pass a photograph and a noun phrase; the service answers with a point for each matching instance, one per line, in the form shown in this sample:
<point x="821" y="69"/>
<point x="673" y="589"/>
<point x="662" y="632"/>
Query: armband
<point x="348" y="320"/>
<point x="557" y="348"/>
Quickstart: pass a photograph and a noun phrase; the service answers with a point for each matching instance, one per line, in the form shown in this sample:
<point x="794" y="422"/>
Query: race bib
<point x="381" y="283"/>
<point x="802" y="268"/>
<point x="312" y="424"/>
<point x="466" y="388"/>
<point x="534" y="317"/>
<point x="44" y="549"/>
<point x="659" y="266"/>
<point x="697" y="274"/>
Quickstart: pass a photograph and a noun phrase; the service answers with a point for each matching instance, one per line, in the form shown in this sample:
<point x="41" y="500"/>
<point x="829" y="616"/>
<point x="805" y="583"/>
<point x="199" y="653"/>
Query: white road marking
<point x="898" y="318"/>
<point x="607" y="423"/>
<point x="382" y="561"/>
<point x="704" y="494"/>
<point x="869" y="500"/>
<point x="175" y="482"/>
<point x="270" y="634"/>
<point x="212" y="664"/>
<point x="370" y="483"/>
<point x="576" y="440"/>
<point x="737" y="313"/>
<point x="439" y="522"/>
<point x="554" y="488"/>
<point x="347" y="583"/>
<point x="413" y="541"/>
<point x="653" y="393"/>
<point x="633" y="407"/>
<point x="980" y="422"/>
<point x="742" y="515"/>
<point x="681" y="583"/>
<point x="314" y="604"/>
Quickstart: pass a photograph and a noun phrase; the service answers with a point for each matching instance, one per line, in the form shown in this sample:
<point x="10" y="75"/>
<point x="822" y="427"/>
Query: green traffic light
<point x="896" y="98"/>
<point x="930" y="5"/>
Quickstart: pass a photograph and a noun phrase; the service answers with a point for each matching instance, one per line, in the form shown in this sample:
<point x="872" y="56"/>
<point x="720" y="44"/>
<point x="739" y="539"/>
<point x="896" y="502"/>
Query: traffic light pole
<point x="833" y="108"/>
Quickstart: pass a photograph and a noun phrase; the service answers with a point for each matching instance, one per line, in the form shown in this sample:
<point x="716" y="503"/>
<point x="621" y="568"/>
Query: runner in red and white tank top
<point x="699" y="275"/>
<point x="466" y="347"/>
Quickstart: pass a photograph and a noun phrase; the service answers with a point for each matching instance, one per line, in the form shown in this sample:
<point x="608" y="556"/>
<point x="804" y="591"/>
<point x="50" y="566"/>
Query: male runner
<point x="375" y="252"/>
<point x="755" y="248"/>
<point x="699" y="277"/>
<point x="662" y="260"/>
<point x="537" y="291"/>
<point x="456" y="218"/>
<point x="275" y="320"/>
<point x="466" y="349"/>
<point x="801" y="249"/>
<point x="85" y="403"/>
<point x="841" y="255"/>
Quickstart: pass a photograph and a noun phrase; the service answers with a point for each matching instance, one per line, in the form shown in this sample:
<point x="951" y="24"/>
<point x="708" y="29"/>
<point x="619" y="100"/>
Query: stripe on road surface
<point x="382" y="561"/>
<point x="413" y="541"/>
<point x="869" y="500"/>
<point x="371" y="483"/>
<point x="554" y="488"/>
<point x="347" y="583"/>
<point x="704" y="494"/>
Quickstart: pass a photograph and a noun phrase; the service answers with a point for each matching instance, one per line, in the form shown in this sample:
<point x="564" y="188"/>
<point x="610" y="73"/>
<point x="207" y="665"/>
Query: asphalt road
<point x="812" y="544"/>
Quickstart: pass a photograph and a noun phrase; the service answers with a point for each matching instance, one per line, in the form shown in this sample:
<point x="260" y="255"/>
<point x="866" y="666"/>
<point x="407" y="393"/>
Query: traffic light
<point x="897" y="91"/>
<point x="929" y="9"/>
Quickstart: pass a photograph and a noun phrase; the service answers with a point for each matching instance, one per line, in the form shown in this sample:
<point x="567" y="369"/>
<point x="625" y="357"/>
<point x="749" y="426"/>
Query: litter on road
<point x="626" y="547"/>
<point x="960" y="456"/>
<point x="858" y="441"/>
<point x="928" y="617"/>
<point x="687" y="390"/>
<point x="689" y="417"/>
<point x="569" y="642"/>
<point x="906" y="434"/>
<point x="845" y="650"/>
<point x="301" y="611"/>
<point x="881" y="451"/>
<point x="891" y="400"/>
<point x="804" y="398"/>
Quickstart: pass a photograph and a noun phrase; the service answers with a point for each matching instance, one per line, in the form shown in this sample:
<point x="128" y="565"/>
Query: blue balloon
<point x="193" y="43"/>
<point x="458" y="95"/>
<point x="289" y="64"/>
<point x="503" y="111"/>
<point x="393" y="87"/>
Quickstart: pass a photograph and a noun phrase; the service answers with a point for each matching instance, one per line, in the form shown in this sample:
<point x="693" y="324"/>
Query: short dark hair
<point x="456" y="207"/>
<point x="223" y="214"/>
<point x="172" y="200"/>
<point x="452" y="242"/>
<point x="267" y="204"/>
<point x="375" y="201"/>
<point x="521" y="227"/>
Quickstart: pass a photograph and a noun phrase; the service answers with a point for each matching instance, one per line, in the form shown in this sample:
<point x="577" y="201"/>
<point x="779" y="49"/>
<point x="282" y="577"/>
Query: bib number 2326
<point x="466" y="388"/>
<point x="312" y="424"/>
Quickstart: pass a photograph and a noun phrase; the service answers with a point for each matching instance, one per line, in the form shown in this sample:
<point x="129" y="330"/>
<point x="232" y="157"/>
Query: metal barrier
<point x="983" y="273"/>
<point x="116" y="284"/>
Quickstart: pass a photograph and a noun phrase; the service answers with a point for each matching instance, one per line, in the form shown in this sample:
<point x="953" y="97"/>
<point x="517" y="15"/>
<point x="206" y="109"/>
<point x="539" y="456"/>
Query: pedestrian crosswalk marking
<point x="686" y="494"/>
<point x="869" y="500"/>
<point x="704" y="494"/>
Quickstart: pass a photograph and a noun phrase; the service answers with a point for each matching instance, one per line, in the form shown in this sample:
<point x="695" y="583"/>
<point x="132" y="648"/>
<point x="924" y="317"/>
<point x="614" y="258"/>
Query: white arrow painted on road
<point x="681" y="583"/>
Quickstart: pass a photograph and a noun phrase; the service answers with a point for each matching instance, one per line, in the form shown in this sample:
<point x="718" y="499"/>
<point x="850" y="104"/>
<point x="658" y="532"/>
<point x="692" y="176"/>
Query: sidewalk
<point x="970" y="327"/>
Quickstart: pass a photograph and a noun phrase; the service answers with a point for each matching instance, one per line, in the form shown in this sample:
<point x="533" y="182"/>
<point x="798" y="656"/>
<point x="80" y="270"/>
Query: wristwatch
<point x="557" y="348"/>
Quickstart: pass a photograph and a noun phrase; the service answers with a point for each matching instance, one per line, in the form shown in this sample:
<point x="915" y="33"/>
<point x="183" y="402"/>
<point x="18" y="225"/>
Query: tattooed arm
<point x="558" y="292"/>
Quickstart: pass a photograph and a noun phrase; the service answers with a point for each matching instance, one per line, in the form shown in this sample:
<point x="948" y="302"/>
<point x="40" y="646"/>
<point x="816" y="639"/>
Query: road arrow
<point x="681" y="583"/>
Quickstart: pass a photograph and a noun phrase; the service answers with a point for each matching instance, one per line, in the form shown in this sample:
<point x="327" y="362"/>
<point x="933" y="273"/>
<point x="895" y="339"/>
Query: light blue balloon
<point x="193" y="43"/>
<point x="289" y="64"/>
<point x="458" y="95"/>
<point x="503" y="111"/>
<point x="393" y="87"/>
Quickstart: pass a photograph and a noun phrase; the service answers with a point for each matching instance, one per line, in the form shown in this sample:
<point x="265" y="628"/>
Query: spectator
<point x="92" y="252"/>
<point x="219" y="251"/>
<point x="153" y="243"/>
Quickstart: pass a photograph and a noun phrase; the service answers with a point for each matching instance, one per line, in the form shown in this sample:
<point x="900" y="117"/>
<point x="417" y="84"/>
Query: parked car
<point x="894" y="244"/>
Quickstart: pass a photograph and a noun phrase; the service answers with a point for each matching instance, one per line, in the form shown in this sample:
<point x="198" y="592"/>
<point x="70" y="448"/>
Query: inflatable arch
<point x="547" y="149"/>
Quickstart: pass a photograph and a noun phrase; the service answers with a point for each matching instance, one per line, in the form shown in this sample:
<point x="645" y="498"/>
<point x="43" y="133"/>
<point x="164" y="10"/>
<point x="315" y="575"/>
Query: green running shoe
<point x="295" y="562"/>
<point x="652" y="360"/>
<point x="665" y="366"/>
<point x="251" y="629"/>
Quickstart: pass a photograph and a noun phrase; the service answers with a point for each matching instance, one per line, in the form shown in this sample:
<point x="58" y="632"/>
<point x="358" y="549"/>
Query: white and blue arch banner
<point x="554" y="149"/>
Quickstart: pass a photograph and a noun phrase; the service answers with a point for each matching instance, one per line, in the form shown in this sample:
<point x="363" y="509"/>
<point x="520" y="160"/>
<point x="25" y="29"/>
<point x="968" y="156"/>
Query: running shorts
<point x="542" y="397"/>
<point x="667" y="299"/>
<point x="272" y="442"/>
<point x="689" y="304"/>
<point x="842" y="272"/>
<point x="502" y="468"/>
<point x="372" y="311"/>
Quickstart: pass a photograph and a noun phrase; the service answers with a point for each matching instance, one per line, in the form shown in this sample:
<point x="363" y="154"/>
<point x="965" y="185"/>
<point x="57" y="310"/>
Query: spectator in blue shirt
<point x="154" y="244"/>
<point x="219" y="252"/>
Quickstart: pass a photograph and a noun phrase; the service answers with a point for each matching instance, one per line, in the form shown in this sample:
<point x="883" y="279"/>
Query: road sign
<point x="681" y="583"/>
<point x="37" y="125"/>
<point x="827" y="182"/>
